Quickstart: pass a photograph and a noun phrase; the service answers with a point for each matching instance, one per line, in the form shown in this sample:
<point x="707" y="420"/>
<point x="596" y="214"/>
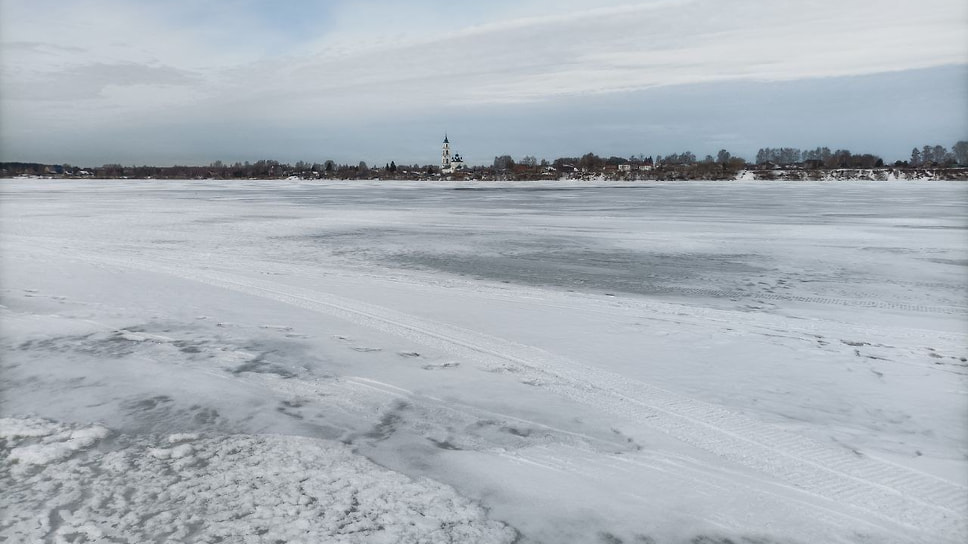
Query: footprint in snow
<point x="280" y="328"/>
<point x="363" y="349"/>
<point x="442" y="366"/>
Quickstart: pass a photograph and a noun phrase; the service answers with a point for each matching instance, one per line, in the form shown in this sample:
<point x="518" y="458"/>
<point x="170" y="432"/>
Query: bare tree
<point x="590" y="161"/>
<point x="504" y="162"/>
<point x="960" y="152"/>
<point x="916" y="158"/>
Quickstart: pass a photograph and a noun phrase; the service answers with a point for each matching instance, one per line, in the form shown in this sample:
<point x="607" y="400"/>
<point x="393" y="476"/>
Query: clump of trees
<point x="685" y="158"/>
<point x="821" y="157"/>
<point x="938" y="155"/>
<point x="503" y="163"/>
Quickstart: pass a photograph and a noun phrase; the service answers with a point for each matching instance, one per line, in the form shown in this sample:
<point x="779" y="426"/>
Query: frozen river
<point x="693" y="362"/>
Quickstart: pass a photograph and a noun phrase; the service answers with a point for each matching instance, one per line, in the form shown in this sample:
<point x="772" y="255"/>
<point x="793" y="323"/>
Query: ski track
<point x="672" y="471"/>
<point x="898" y="497"/>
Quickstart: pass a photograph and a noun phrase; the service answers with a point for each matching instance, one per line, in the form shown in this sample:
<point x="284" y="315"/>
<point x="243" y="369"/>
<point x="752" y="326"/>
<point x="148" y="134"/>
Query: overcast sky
<point x="185" y="81"/>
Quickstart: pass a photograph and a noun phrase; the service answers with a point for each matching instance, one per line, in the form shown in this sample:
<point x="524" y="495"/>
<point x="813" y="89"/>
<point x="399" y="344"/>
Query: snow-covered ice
<point x="229" y="488"/>
<point x="292" y="361"/>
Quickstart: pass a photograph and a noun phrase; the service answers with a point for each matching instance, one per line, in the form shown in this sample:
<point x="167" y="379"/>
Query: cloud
<point x="101" y="63"/>
<point x="40" y="48"/>
<point x="887" y="114"/>
<point x="89" y="81"/>
<point x="624" y="48"/>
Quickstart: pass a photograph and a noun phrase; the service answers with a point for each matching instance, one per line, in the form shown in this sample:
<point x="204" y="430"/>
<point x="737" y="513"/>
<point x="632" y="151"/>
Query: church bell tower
<point x="445" y="155"/>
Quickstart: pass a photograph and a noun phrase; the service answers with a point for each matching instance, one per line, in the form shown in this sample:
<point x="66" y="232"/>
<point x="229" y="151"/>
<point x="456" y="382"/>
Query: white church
<point x="449" y="163"/>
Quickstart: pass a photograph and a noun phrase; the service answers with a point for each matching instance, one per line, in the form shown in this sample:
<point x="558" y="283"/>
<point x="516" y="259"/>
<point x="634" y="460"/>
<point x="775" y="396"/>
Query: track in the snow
<point x="898" y="497"/>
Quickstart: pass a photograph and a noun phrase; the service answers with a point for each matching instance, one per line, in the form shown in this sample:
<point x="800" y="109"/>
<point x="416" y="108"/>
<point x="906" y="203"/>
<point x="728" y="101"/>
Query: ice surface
<point x="668" y="362"/>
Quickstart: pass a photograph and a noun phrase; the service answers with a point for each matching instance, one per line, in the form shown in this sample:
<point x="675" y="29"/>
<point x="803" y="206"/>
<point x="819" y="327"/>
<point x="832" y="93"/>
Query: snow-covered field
<point x="743" y="362"/>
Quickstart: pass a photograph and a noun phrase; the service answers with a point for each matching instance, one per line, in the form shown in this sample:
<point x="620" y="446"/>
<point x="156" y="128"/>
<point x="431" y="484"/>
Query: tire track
<point x="829" y="301"/>
<point x="671" y="470"/>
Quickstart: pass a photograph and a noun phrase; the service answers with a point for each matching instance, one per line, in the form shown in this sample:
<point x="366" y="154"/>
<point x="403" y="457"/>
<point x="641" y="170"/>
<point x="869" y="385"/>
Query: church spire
<point x="445" y="155"/>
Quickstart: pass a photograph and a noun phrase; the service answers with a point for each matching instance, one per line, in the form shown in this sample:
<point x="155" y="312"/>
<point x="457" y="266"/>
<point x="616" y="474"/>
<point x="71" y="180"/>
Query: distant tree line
<point x="684" y="165"/>
<point x="938" y="155"/>
<point x="821" y="157"/>
<point x="262" y="169"/>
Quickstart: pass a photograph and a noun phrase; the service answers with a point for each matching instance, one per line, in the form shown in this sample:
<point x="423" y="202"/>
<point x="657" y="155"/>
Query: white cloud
<point x="103" y="62"/>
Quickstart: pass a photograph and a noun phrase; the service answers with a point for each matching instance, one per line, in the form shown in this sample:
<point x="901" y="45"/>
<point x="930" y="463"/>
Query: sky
<point x="162" y="82"/>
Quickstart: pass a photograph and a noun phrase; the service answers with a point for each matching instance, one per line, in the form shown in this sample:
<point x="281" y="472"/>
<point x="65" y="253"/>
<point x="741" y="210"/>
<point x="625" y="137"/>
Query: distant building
<point x="445" y="155"/>
<point x="449" y="163"/>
